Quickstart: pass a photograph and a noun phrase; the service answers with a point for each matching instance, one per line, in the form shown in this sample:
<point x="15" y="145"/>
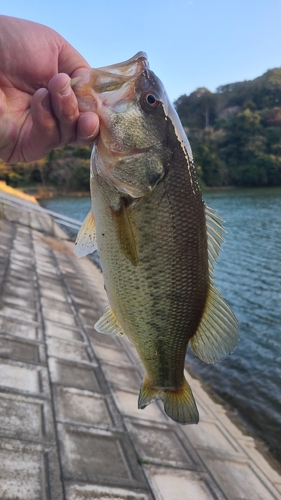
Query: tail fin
<point x="179" y="404"/>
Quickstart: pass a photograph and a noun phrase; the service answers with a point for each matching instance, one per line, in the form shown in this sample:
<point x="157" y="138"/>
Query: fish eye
<point x="150" y="100"/>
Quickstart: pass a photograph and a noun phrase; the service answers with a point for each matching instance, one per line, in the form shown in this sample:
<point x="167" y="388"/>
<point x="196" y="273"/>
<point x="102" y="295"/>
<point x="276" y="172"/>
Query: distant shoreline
<point x="40" y="193"/>
<point x="53" y="193"/>
<point x="50" y="192"/>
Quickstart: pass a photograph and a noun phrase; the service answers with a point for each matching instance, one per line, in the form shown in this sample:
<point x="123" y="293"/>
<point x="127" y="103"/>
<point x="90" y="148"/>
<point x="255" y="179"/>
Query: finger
<point x="65" y="107"/>
<point x="43" y="134"/>
<point x="70" y="61"/>
<point x="87" y="128"/>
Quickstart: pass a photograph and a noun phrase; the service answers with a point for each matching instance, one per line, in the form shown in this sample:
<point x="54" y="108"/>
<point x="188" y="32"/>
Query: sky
<point x="189" y="43"/>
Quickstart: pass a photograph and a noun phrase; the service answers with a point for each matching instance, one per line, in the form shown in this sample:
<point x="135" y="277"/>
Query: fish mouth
<point x="100" y="91"/>
<point x="112" y="78"/>
<point x="128" y="68"/>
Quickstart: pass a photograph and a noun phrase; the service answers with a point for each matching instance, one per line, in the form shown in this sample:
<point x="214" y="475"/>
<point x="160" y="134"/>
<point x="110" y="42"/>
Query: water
<point x="248" y="275"/>
<point x="72" y="206"/>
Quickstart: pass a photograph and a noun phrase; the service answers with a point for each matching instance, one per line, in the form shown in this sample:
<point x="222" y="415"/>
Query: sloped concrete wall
<point x="69" y="424"/>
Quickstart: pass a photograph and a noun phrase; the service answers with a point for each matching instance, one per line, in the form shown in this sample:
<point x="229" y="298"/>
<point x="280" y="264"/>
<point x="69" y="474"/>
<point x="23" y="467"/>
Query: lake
<point x="248" y="275"/>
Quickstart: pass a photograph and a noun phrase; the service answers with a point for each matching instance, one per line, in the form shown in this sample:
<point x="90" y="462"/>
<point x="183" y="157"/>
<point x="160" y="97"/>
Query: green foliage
<point x="66" y="169"/>
<point x="81" y="175"/>
<point x="240" y="142"/>
<point x="82" y="152"/>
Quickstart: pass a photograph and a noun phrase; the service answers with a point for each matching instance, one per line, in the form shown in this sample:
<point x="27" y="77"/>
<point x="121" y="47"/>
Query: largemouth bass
<point x="157" y="240"/>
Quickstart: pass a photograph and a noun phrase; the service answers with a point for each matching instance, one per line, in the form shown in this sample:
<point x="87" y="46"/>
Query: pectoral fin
<point x="108" y="324"/>
<point x="86" y="239"/>
<point x="125" y="233"/>
<point x="218" y="333"/>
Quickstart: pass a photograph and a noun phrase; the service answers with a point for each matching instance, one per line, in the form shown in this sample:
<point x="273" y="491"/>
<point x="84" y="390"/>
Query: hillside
<point x="235" y="133"/>
<point x="62" y="171"/>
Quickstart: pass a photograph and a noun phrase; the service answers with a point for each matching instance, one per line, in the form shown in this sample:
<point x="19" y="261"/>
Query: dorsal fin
<point x="86" y="238"/>
<point x="218" y="333"/>
<point x="108" y="324"/>
<point x="215" y="235"/>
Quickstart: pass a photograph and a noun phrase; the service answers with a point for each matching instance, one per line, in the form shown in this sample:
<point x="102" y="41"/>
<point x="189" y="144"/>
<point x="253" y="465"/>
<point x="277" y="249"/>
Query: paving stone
<point x="97" y="421"/>
<point x="261" y="464"/>
<point x="67" y="350"/>
<point x="19" y="284"/>
<point x="53" y="303"/>
<point x="14" y="300"/>
<point x="45" y="266"/>
<point x="20" y="273"/>
<point x="99" y="456"/>
<point x="15" y="326"/>
<point x="21" y="268"/>
<point x="107" y="460"/>
<point x="57" y="330"/>
<point x="117" y="355"/>
<point x="23" y="472"/>
<point x="74" y="375"/>
<point x="51" y="283"/>
<point x="59" y="316"/>
<point x="66" y="269"/>
<point x="161" y="445"/>
<point x="20" y="314"/>
<point x="127" y="403"/>
<point x="122" y="377"/>
<point x="211" y="434"/>
<point x="22" y="257"/>
<point x="24" y="278"/>
<point x="185" y="485"/>
<point x="85" y="302"/>
<point x="19" y="377"/>
<point x="87" y="492"/>
<point x="83" y="407"/>
<point x="18" y="350"/>
<point x="100" y="338"/>
<point x="58" y="294"/>
<point x="20" y="417"/>
<point x="89" y="315"/>
<point x="242" y="480"/>
<point x="22" y="248"/>
<point x="21" y="475"/>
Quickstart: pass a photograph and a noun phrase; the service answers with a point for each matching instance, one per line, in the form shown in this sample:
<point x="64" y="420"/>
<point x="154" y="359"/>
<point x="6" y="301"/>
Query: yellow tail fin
<point x="179" y="404"/>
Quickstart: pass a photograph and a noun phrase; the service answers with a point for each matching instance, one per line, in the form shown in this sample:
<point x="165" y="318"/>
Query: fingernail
<point x="92" y="136"/>
<point x="46" y="102"/>
<point x="66" y="90"/>
<point x="75" y="80"/>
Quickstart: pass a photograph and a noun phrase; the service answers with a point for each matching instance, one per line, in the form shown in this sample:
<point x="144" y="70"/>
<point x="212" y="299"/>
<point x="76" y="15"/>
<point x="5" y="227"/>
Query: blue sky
<point x="190" y="43"/>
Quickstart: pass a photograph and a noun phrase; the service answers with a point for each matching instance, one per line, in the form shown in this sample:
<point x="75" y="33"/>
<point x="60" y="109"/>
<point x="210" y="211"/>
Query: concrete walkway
<point x="69" y="424"/>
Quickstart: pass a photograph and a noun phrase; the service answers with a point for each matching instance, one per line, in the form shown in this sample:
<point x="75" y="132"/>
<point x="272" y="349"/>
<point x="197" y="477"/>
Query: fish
<point x="157" y="240"/>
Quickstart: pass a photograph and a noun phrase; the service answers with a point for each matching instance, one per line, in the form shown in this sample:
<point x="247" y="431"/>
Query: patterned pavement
<point x="69" y="424"/>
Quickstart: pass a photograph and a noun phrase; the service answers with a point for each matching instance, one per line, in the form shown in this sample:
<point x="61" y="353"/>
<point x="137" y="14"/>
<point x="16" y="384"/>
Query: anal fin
<point x="108" y="324"/>
<point x="86" y="239"/>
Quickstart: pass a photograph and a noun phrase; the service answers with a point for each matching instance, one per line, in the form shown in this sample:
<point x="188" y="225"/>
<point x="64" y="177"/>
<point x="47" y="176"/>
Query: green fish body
<point x="156" y="239"/>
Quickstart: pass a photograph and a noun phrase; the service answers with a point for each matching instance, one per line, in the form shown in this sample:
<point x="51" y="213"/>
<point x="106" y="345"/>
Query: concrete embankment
<point x="69" y="424"/>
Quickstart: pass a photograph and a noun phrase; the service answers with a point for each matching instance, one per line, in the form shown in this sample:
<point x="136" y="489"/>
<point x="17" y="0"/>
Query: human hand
<point x="38" y="108"/>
